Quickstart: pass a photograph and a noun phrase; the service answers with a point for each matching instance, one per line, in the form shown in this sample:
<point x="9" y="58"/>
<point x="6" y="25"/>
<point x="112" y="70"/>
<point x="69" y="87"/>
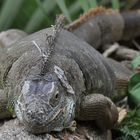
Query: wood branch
<point x="126" y="53"/>
<point x="120" y="52"/>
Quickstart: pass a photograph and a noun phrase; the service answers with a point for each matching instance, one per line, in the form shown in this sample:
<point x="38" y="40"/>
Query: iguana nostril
<point x="35" y="116"/>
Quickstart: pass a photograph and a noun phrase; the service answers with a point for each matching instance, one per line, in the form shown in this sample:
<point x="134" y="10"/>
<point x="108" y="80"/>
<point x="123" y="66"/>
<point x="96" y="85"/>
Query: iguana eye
<point x="56" y="96"/>
<point x="55" y="99"/>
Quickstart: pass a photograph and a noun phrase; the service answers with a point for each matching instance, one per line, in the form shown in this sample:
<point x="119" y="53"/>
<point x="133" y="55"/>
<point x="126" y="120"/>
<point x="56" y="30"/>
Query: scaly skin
<point x="76" y="73"/>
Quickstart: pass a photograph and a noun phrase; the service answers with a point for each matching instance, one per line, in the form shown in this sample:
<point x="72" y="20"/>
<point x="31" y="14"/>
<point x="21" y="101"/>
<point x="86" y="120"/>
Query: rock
<point x="13" y="130"/>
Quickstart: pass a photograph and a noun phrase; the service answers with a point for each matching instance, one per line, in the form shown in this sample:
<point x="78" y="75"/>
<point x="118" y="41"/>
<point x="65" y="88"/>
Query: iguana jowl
<point x="76" y="84"/>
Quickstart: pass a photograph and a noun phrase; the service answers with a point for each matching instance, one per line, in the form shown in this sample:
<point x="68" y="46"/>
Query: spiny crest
<point x="51" y="41"/>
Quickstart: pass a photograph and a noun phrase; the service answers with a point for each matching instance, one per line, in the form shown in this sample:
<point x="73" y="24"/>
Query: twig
<point x="136" y="44"/>
<point x="111" y="49"/>
<point x="121" y="52"/>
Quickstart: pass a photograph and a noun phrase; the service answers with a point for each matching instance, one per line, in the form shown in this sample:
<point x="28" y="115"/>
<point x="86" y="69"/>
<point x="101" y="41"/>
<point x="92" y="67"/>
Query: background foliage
<point x="32" y="15"/>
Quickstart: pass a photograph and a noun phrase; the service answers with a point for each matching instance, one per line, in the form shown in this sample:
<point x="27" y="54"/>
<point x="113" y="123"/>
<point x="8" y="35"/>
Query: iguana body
<point x="83" y="78"/>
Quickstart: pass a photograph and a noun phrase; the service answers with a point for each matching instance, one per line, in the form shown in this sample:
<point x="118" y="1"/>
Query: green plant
<point x="134" y="85"/>
<point x="130" y="127"/>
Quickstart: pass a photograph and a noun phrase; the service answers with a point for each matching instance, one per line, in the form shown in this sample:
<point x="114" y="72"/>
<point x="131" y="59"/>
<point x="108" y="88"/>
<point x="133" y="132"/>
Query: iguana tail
<point x="101" y="26"/>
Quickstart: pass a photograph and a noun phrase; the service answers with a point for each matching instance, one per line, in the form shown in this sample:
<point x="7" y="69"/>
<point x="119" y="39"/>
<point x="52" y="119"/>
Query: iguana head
<point x="45" y="103"/>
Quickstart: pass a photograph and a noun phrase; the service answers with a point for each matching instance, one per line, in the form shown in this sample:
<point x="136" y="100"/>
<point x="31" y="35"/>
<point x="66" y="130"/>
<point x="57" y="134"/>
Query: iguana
<point x="52" y="77"/>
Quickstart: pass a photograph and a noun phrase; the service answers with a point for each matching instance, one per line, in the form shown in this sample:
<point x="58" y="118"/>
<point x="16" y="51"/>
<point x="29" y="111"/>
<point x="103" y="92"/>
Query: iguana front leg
<point x="6" y="39"/>
<point x="4" y="113"/>
<point x="99" y="108"/>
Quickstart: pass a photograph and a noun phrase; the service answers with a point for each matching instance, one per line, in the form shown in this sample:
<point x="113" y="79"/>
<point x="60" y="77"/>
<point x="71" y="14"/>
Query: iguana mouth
<point x="55" y="115"/>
